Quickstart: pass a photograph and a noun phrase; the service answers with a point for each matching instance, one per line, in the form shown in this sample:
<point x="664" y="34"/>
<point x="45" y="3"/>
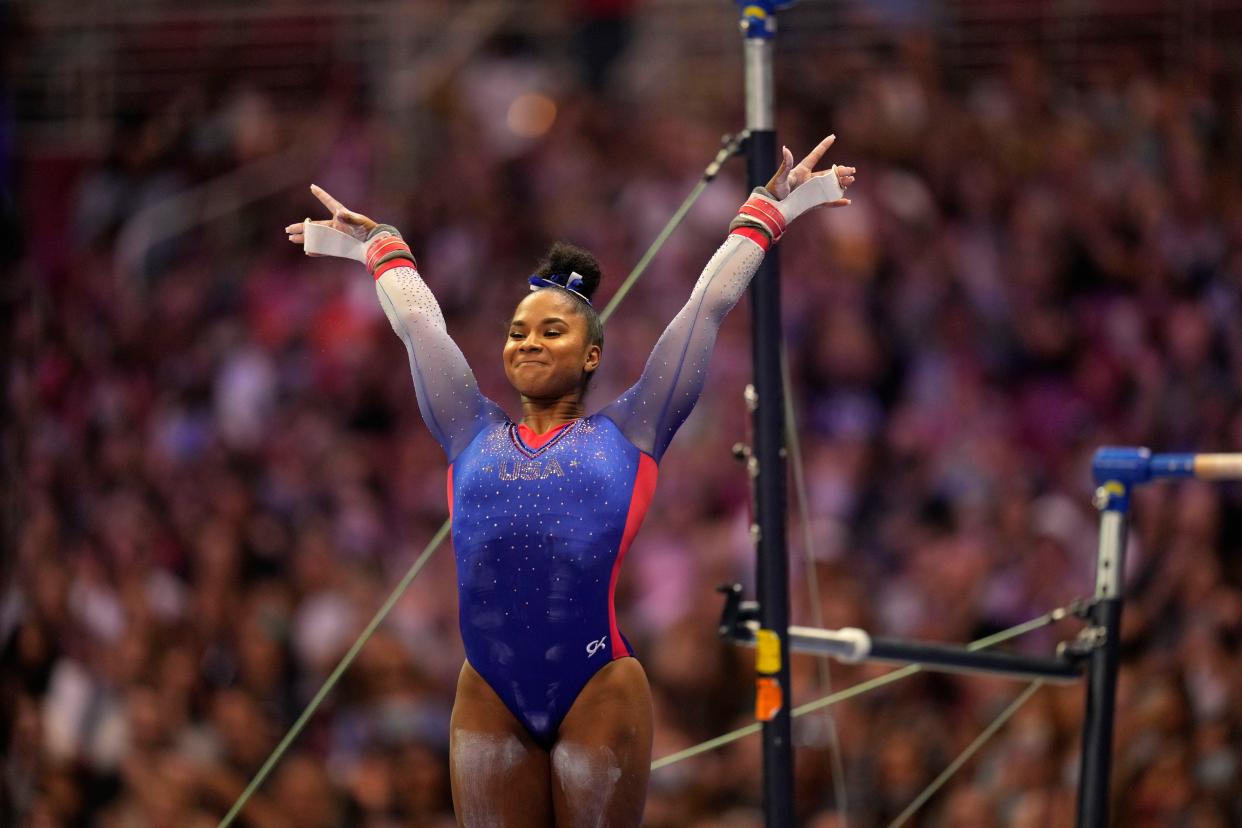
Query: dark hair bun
<point x="563" y="257"/>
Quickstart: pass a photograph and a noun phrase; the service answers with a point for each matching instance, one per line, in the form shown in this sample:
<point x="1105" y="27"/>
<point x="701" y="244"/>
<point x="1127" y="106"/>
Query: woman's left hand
<point x="788" y="177"/>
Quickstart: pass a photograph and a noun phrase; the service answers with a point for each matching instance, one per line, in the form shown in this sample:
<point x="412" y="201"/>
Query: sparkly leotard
<point x="540" y="523"/>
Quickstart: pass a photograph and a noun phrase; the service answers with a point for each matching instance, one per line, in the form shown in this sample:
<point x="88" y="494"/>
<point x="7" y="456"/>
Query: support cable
<point x="730" y="146"/>
<point x="350" y="655"/>
<point x="964" y="756"/>
<point x="836" y="755"/>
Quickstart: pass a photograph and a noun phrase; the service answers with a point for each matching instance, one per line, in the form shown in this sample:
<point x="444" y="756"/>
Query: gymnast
<point x="552" y="721"/>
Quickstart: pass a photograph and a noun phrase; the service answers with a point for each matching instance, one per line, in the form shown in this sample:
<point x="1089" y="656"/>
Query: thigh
<point x="602" y="757"/>
<point x="500" y="777"/>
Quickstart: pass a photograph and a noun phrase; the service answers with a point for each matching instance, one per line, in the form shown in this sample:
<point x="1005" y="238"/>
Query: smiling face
<point x="548" y="353"/>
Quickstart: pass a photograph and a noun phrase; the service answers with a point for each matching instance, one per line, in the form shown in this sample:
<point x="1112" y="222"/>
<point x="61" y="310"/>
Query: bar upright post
<point x="1112" y="498"/>
<point x="758" y="27"/>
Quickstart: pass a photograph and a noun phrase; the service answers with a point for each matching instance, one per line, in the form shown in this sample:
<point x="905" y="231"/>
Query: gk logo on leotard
<point x="595" y="646"/>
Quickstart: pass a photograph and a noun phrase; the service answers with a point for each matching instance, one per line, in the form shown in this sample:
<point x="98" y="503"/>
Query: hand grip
<point x="322" y="240"/>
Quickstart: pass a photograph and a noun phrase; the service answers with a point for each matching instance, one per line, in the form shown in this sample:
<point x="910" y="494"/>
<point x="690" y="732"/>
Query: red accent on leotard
<point x="450" y="490"/>
<point x="640" y="499"/>
<point x="537" y="441"/>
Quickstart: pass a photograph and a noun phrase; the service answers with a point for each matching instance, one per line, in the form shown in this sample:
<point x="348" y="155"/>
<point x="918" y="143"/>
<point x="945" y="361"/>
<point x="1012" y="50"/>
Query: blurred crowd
<point x="221" y="473"/>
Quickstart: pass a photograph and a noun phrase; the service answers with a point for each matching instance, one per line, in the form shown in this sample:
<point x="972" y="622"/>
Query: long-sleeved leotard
<point x="540" y="523"/>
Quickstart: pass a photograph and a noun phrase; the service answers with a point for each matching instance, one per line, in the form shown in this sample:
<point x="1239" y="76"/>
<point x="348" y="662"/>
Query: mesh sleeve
<point x="448" y="395"/>
<point x="652" y="410"/>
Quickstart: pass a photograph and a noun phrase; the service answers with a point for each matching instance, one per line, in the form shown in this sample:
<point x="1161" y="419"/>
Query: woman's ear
<point x="592" y="358"/>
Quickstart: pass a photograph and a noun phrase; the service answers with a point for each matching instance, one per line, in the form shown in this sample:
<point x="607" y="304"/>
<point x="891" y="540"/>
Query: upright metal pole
<point x="1112" y="498"/>
<point x="1116" y="471"/>
<point x="758" y="26"/>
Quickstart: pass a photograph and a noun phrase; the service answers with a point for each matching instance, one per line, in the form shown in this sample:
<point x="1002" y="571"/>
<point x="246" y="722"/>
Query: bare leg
<point x="602" y="757"/>
<point x="500" y="777"/>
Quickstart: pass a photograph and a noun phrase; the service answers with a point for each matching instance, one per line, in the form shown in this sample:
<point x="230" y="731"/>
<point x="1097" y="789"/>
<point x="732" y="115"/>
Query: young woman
<point x="552" y="720"/>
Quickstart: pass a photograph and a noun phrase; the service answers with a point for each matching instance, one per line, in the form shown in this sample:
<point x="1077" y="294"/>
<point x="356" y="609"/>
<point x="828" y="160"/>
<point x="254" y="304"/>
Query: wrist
<point x="384" y="252"/>
<point x="375" y="229"/>
<point x="755" y="234"/>
<point x="760" y="216"/>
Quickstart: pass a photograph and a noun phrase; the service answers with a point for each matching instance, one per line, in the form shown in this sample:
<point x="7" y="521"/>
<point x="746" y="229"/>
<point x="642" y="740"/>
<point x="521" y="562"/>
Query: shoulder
<point x="606" y="429"/>
<point x="493" y="434"/>
<point x="599" y="420"/>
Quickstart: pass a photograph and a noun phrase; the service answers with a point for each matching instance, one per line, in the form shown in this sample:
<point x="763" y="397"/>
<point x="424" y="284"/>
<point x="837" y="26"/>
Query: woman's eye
<point x="553" y="333"/>
<point x="514" y="335"/>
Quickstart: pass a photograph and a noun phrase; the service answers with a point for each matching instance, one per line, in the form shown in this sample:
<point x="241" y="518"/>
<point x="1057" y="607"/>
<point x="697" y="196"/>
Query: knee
<point x="595" y="786"/>
<point x="478" y="755"/>
<point x="586" y="770"/>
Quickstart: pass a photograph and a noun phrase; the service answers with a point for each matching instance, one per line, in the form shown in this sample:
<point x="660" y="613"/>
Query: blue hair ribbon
<point x="571" y="282"/>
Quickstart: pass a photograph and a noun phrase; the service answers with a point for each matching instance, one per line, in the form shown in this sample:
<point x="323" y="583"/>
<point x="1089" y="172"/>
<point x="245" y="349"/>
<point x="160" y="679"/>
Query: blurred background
<point x="215" y="470"/>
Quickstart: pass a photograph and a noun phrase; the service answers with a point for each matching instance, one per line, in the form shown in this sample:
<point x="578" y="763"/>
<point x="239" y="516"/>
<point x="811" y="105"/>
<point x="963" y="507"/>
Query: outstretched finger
<point x="814" y="155"/>
<point x="294" y="228"/>
<point x="778" y="185"/>
<point x="326" y="200"/>
<point x="297" y="238"/>
<point x="786" y="163"/>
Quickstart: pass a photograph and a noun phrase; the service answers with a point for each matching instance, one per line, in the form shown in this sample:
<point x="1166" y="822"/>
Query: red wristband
<point x="754" y="234"/>
<point x="384" y="267"/>
<point x="761" y="210"/>
<point x="383" y="247"/>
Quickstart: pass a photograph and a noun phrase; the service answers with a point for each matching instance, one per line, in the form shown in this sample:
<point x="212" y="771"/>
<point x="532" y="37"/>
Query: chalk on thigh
<point x="587" y="776"/>
<point x="498" y="782"/>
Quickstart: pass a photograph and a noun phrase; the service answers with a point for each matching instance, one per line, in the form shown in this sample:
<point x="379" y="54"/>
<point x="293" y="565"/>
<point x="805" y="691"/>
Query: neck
<point x="541" y="415"/>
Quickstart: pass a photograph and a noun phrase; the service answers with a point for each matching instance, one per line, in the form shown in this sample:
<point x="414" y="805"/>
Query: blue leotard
<point x="542" y="522"/>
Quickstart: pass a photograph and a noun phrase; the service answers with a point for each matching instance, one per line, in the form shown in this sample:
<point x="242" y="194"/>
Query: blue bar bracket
<point x="1132" y="466"/>
<point x="759" y="17"/>
<point x="1117" y="469"/>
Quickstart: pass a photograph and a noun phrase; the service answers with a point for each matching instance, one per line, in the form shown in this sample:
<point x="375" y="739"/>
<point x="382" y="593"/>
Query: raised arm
<point x="448" y="395"/>
<point x="652" y="410"/>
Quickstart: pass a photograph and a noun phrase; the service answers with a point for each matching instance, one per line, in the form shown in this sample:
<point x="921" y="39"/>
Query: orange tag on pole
<point x="768" y="698"/>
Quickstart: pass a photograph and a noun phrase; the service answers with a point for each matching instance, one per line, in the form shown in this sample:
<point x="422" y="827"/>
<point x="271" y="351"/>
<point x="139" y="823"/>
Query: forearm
<point x="408" y="302"/>
<point x="410" y="306"/>
<point x="726" y="276"/>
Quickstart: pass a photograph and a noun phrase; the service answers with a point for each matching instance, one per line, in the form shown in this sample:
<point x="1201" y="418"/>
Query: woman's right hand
<point x="792" y="191"/>
<point x="788" y="177"/>
<point x="343" y="220"/>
